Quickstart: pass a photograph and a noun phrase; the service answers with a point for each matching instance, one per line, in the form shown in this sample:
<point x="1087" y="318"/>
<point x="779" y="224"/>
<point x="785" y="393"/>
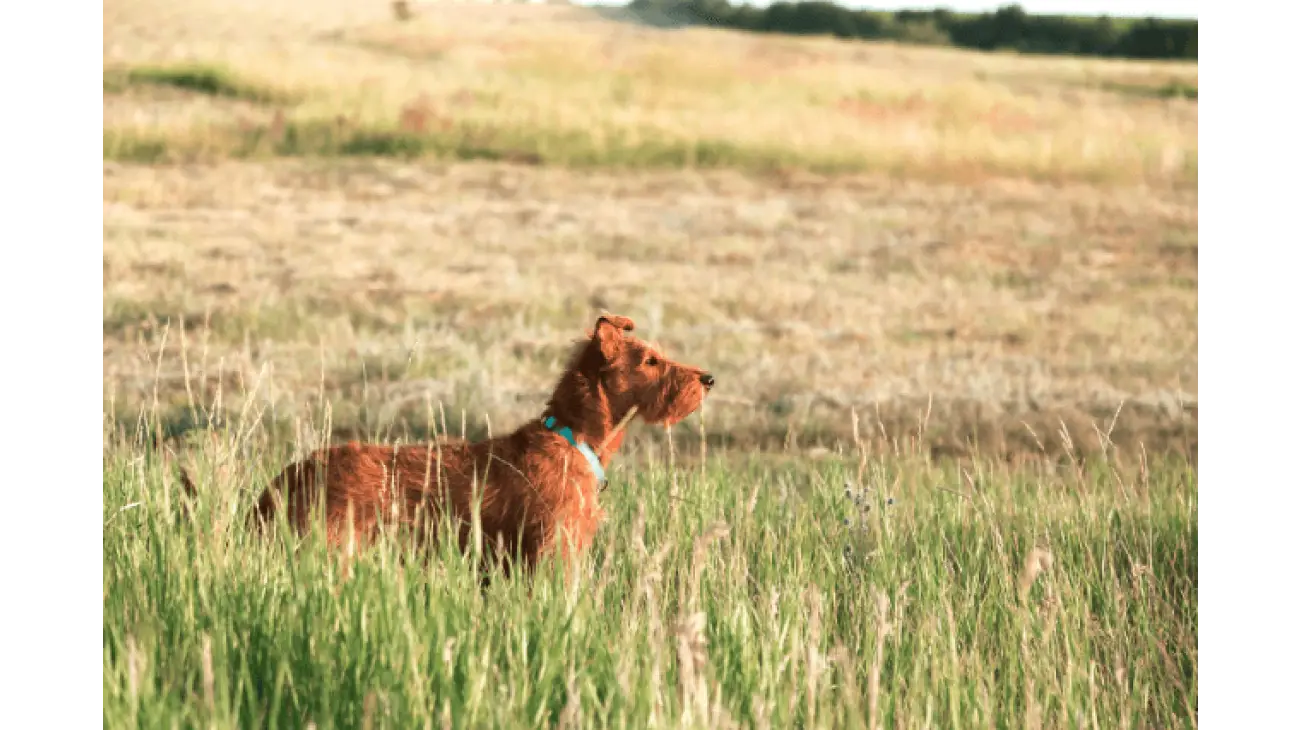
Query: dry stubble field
<point x="1007" y="244"/>
<point x="322" y="223"/>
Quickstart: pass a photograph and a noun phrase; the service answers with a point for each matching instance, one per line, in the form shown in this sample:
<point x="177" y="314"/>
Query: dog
<point x="535" y="491"/>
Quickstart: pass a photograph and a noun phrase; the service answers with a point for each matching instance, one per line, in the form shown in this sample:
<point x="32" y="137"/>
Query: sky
<point x="1117" y="8"/>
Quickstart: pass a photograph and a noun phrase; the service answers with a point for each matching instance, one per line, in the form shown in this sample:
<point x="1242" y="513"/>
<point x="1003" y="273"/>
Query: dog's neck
<point x="580" y="402"/>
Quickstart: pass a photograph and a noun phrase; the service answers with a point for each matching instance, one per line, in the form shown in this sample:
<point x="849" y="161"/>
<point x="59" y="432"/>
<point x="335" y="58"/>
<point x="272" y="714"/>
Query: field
<point x="964" y="282"/>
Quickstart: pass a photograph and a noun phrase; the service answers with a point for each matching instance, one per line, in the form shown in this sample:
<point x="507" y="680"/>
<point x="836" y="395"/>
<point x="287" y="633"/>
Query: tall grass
<point x="740" y="592"/>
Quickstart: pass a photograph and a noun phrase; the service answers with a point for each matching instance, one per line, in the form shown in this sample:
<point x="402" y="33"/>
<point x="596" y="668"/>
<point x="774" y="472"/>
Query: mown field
<point x="966" y="283"/>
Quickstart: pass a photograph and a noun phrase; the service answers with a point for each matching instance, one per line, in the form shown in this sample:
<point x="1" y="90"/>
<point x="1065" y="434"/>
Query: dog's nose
<point x="707" y="379"/>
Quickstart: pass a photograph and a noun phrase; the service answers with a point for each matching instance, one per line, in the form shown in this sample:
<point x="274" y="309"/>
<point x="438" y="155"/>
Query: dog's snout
<point x="707" y="379"/>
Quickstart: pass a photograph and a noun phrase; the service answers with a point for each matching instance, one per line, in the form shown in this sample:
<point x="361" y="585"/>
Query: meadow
<point x="959" y="289"/>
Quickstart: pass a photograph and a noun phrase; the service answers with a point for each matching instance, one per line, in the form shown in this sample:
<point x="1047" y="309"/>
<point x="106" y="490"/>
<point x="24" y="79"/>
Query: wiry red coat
<point x="536" y="493"/>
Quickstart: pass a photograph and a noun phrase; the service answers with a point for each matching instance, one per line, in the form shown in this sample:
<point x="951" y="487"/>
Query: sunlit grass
<point x="746" y="593"/>
<point x="564" y="88"/>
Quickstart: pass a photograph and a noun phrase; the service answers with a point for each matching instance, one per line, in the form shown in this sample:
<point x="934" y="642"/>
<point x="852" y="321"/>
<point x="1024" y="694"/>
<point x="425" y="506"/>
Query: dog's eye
<point x="652" y="361"/>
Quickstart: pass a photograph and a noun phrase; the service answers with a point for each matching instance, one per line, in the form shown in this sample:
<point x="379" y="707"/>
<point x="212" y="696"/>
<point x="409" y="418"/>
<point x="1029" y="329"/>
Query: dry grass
<point x="381" y="284"/>
<point x="566" y="85"/>
<point x="1029" y="265"/>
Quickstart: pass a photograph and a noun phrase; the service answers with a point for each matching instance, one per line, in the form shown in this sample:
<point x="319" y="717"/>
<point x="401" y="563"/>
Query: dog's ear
<point x="609" y="333"/>
<point x="621" y="323"/>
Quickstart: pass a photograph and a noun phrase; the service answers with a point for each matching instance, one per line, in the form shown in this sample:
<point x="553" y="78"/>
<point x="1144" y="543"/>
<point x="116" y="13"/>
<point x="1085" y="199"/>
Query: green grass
<point x="1173" y="89"/>
<point x="579" y="149"/>
<point x="206" y="79"/>
<point x="206" y="626"/>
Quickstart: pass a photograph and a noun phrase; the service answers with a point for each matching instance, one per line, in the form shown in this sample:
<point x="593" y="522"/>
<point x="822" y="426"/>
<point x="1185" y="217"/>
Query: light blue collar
<point x="582" y="447"/>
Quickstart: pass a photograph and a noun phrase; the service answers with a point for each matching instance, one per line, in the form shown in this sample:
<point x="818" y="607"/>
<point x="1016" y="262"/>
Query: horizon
<point x="1169" y="9"/>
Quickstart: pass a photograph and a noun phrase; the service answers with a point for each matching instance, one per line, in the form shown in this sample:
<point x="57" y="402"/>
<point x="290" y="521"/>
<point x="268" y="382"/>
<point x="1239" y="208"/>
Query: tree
<point x="1009" y="25"/>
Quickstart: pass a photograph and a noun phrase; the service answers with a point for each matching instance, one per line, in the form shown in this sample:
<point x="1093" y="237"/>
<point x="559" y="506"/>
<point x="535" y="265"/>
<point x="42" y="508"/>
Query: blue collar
<point x="582" y="447"/>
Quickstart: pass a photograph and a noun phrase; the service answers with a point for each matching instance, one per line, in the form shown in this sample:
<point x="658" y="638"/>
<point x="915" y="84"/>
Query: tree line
<point x="1009" y="27"/>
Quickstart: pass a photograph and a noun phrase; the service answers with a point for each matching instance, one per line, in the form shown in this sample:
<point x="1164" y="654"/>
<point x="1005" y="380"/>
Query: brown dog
<point x="536" y="488"/>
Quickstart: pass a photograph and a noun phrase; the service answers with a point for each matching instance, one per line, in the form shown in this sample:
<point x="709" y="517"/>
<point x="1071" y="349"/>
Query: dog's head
<point x="636" y="375"/>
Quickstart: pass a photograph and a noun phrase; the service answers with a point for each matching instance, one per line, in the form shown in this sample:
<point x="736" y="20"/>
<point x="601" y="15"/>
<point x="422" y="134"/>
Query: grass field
<point x="565" y="85"/>
<point x="967" y="282"/>
<point x="749" y="593"/>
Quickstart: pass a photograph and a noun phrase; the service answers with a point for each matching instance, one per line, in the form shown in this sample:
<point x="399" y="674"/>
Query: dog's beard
<point x="677" y="407"/>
